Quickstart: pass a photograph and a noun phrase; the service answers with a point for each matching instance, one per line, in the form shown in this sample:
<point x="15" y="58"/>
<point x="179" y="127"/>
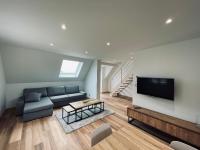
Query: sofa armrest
<point x="84" y="94"/>
<point x="20" y="106"/>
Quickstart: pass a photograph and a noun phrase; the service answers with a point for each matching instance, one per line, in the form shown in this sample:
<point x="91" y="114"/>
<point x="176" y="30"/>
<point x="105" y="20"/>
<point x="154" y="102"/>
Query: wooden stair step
<point x="129" y="80"/>
<point x="126" y="83"/>
<point x="122" y="88"/>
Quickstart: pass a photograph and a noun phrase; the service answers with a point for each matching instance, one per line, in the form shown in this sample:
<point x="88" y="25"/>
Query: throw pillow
<point x="33" y="97"/>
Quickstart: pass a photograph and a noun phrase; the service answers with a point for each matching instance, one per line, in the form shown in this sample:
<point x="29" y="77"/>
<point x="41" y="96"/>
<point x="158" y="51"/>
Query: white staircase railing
<point x="122" y="73"/>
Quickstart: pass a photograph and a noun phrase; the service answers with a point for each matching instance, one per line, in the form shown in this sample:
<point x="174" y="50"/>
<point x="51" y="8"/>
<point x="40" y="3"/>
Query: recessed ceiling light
<point x="131" y="57"/>
<point x="63" y="26"/>
<point x="51" y="44"/>
<point x="86" y="52"/>
<point x="168" y="21"/>
<point x="108" y="43"/>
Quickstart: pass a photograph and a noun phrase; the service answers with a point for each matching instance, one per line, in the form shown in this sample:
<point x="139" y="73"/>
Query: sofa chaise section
<point x="38" y="109"/>
<point x="34" y="110"/>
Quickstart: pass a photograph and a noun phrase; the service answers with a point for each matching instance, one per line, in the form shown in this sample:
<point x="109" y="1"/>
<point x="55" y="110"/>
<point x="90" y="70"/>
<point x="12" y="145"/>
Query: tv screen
<point x="158" y="87"/>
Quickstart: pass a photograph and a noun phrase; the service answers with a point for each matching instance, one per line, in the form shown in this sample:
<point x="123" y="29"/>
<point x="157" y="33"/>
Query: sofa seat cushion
<point x="58" y="98"/>
<point x="77" y="95"/>
<point x="43" y="104"/>
<point x="56" y="90"/>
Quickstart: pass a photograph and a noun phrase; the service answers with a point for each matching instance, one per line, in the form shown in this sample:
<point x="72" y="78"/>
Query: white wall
<point x="92" y="81"/>
<point x="180" y="61"/>
<point x="15" y="90"/>
<point x="2" y="87"/>
<point x="26" y="65"/>
<point x="98" y="78"/>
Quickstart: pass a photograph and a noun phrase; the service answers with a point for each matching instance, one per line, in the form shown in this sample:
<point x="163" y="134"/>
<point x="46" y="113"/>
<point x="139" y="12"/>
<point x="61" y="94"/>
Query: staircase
<point x="122" y="78"/>
<point x="123" y="86"/>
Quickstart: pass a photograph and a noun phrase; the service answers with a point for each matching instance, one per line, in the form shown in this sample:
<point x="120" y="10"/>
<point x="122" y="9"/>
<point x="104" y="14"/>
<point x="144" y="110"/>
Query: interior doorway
<point x="106" y="71"/>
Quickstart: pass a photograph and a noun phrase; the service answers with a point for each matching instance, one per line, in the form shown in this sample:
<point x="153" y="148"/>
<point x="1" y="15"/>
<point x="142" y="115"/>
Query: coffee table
<point x="82" y="110"/>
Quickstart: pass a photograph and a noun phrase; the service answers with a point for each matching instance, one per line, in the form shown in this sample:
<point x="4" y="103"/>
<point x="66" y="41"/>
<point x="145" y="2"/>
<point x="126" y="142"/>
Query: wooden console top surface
<point x="176" y="121"/>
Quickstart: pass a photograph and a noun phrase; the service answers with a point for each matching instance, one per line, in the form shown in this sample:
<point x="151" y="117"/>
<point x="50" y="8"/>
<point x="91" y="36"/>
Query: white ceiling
<point x="129" y="25"/>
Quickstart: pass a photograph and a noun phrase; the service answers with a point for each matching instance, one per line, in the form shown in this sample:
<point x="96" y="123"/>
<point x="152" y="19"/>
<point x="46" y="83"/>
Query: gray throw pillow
<point x="33" y="97"/>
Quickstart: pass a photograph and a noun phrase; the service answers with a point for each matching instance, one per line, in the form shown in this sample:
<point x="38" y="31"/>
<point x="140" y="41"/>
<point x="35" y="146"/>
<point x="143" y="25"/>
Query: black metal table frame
<point x="99" y="105"/>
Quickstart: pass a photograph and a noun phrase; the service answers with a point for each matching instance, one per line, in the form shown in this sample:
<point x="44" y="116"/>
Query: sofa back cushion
<point x="56" y="90"/>
<point x="43" y="91"/>
<point x="72" y="89"/>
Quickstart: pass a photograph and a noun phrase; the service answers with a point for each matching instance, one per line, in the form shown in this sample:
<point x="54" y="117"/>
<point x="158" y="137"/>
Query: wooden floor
<point x="47" y="134"/>
<point x="118" y="105"/>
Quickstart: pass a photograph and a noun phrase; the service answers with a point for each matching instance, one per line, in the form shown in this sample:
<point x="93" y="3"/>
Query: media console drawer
<point x="179" y="128"/>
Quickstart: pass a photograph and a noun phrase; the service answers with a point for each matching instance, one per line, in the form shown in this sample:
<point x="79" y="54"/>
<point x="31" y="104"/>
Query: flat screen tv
<point x="158" y="87"/>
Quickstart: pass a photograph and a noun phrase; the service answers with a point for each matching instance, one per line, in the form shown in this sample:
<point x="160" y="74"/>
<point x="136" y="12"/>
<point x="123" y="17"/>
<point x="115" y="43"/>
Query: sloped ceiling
<point x="24" y="65"/>
<point x="129" y="25"/>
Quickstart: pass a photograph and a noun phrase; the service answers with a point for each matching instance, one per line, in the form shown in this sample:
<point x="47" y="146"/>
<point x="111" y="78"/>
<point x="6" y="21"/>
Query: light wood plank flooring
<point x="117" y="104"/>
<point x="47" y="134"/>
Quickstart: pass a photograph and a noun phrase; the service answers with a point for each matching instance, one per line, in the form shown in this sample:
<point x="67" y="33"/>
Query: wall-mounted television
<point x="158" y="87"/>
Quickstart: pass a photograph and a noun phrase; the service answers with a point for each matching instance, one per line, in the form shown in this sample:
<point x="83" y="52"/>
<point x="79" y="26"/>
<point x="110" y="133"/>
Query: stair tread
<point x="126" y="83"/>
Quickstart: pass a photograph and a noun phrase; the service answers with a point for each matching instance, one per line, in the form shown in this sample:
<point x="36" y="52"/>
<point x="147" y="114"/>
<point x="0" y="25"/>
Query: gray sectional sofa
<point x="39" y="102"/>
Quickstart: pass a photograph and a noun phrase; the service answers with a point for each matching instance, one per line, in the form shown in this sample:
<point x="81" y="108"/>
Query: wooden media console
<point x="181" y="129"/>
